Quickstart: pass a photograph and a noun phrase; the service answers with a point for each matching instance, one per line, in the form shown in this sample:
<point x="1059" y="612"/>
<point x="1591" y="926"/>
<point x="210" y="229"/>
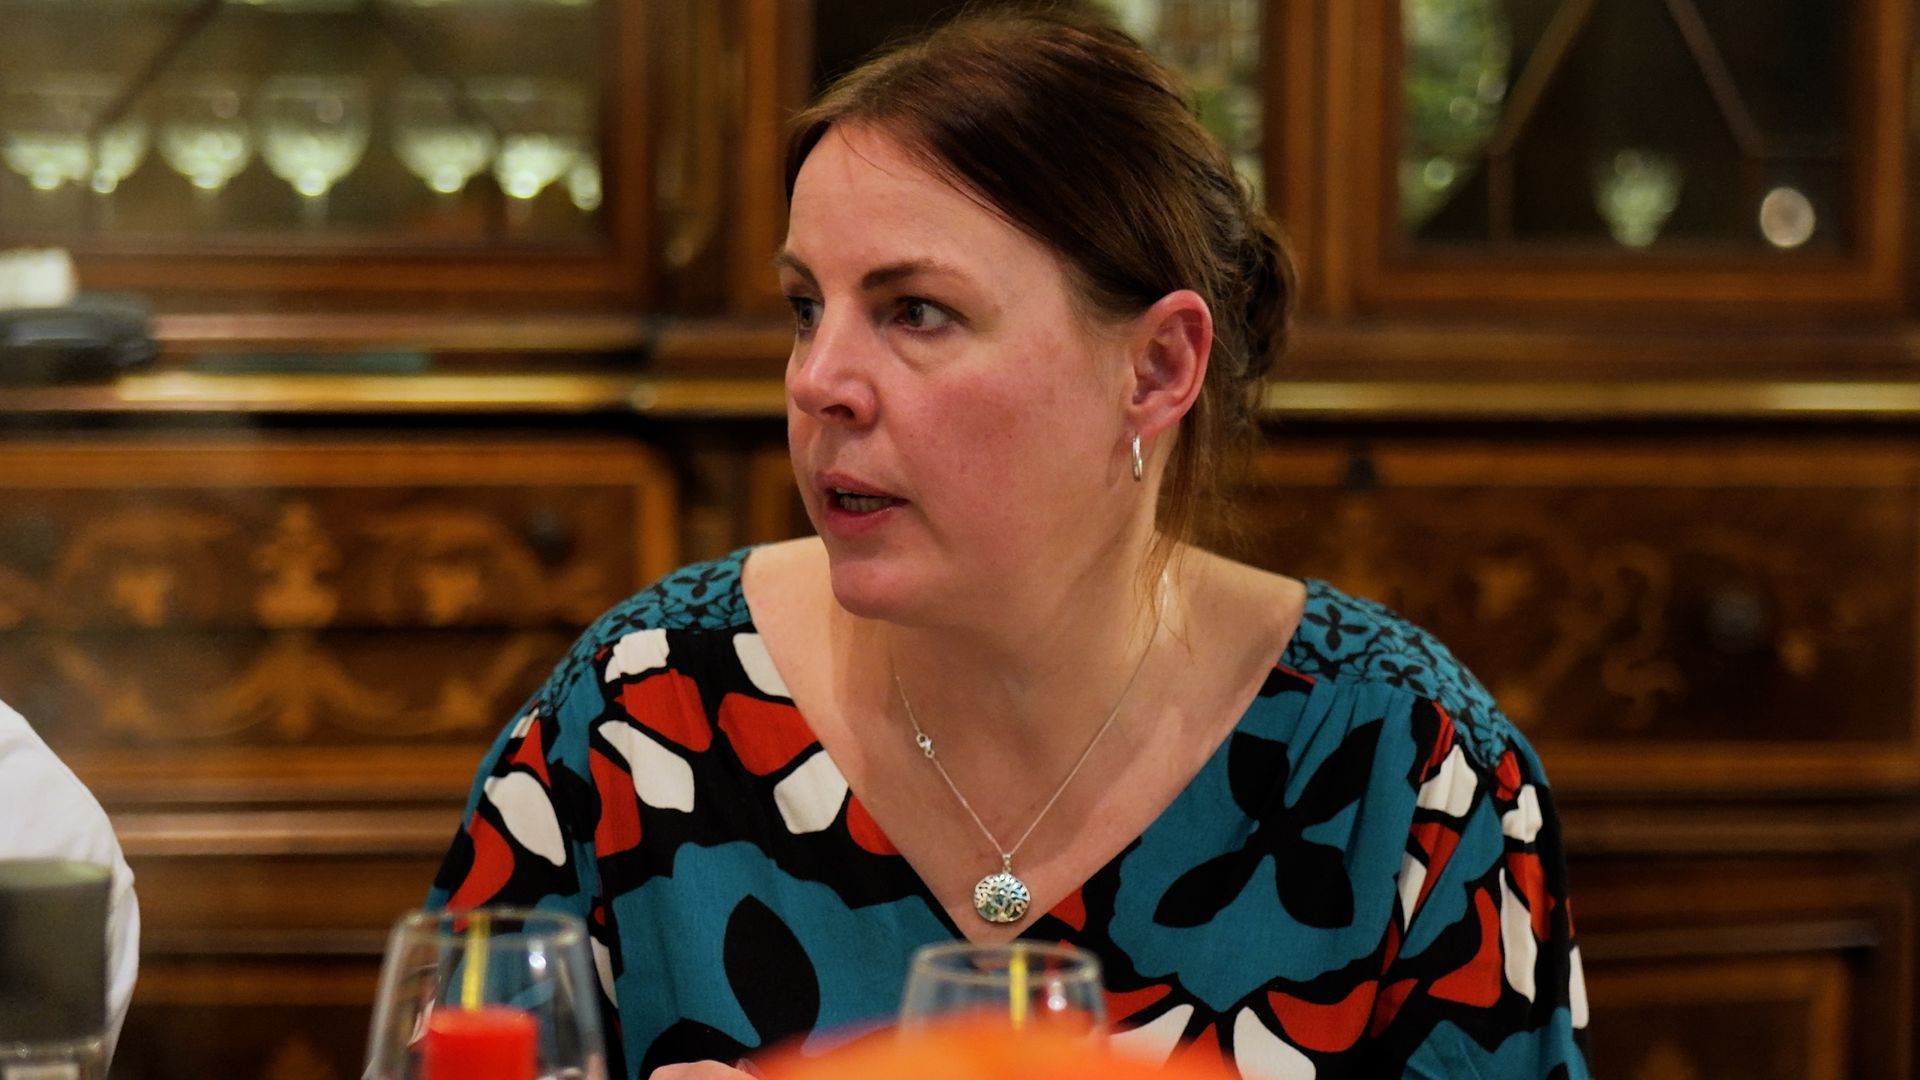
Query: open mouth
<point x="859" y="502"/>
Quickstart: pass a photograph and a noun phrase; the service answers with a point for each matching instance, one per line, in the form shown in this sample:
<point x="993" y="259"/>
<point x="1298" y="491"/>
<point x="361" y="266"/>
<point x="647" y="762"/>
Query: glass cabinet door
<point x="159" y="139"/>
<point x="1626" y="150"/>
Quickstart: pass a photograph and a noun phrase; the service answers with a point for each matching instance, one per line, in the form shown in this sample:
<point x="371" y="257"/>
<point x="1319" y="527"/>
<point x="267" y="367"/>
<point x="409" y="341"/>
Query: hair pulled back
<point x="1075" y="134"/>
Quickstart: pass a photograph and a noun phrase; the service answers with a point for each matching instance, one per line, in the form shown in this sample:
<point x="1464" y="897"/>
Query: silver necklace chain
<point x="925" y="743"/>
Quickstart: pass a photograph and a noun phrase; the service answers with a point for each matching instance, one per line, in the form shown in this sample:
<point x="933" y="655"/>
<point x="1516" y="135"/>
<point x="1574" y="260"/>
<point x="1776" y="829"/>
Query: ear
<point x="1170" y="346"/>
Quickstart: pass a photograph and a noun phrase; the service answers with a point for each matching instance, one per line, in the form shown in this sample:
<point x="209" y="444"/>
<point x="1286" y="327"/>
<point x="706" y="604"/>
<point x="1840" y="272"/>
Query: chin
<point x="878" y="587"/>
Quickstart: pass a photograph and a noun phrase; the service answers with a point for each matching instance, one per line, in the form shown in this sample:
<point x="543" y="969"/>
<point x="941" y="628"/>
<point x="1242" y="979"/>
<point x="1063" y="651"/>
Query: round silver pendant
<point x="1001" y="898"/>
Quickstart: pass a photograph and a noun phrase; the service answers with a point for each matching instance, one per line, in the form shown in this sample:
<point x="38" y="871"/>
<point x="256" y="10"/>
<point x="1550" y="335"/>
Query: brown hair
<point x="1074" y="133"/>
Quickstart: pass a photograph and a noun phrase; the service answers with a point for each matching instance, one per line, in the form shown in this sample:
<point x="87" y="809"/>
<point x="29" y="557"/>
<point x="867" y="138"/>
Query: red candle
<point x="493" y="1042"/>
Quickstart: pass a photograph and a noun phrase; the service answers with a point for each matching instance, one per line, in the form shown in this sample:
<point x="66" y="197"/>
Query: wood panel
<point x="192" y="601"/>
<point x="248" y="1020"/>
<point x="1764" y="1020"/>
<point x="1788" y="966"/>
<point x="1641" y="609"/>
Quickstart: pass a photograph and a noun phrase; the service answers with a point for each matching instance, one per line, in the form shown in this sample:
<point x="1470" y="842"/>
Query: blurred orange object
<point x="973" y="1051"/>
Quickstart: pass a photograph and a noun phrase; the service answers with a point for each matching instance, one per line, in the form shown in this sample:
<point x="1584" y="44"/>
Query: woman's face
<point x="956" y="428"/>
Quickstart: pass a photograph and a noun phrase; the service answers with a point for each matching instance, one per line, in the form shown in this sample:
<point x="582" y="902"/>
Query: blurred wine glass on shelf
<point x="583" y="184"/>
<point x="118" y="150"/>
<point x="313" y="131"/>
<point x="1635" y="190"/>
<point x="544" y="129"/>
<point x="53" y="135"/>
<point x="436" y="139"/>
<point x="1022" y="984"/>
<point x="45" y="134"/>
<point x="204" y="136"/>
<point x="504" y="993"/>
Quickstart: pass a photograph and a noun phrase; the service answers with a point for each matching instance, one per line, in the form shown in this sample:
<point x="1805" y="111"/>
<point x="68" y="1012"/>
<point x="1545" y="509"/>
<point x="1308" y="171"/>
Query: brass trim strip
<point x="1592" y="400"/>
<point x="764" y="397"/>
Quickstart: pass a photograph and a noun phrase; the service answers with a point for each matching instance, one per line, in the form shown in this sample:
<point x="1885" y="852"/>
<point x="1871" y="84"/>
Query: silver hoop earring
<point x="1139" y="466"/>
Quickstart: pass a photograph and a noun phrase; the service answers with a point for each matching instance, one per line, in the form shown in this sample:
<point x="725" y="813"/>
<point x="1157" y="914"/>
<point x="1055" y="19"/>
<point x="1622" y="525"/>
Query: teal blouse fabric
<point x="1365" y="879"/>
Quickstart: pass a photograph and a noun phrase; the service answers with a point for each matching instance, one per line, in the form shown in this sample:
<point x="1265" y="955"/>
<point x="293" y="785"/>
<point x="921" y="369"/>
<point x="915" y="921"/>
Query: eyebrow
<point x="876" y="277"/>
<point x="789" y="261"/>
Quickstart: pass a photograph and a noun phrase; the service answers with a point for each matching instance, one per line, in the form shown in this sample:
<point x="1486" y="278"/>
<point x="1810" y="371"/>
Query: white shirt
<point x="47" y="813"/>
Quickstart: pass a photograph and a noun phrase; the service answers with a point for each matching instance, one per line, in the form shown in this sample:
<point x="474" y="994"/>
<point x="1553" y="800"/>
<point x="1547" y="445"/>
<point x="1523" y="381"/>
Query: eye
<point x="806" y="313"/>
<point x="917" y="314"/>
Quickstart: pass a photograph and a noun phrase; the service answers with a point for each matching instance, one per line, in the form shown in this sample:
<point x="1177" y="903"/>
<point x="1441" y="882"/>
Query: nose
<point x="829" y="375"/>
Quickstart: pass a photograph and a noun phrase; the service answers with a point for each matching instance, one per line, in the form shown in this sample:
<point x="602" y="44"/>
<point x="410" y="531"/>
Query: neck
<point x="1039" y="681"/>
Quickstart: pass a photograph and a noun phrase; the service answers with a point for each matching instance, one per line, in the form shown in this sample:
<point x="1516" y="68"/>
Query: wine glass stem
<point x="206" y="204"/>
<point x="313" y="210"/>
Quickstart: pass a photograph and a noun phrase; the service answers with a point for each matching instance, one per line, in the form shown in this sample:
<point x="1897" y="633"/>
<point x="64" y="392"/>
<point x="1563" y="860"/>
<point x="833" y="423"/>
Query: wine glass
<point x="313" y="131"/>
<point x="436" y="140"/>
<point x="204" y="136"/>
<point x="1020" y="984"/>
<point x="53" y="135"/>
<point x="45" y="137"/>
<point x="1634" y="190"/>
<point x="511" y="987"/>
<point x="118" y="150"/>
<point x="583" y="184"/>
<point x="543" y="127"/>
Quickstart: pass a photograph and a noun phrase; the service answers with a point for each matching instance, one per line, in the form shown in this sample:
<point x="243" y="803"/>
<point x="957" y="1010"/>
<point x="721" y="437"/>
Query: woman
<point x="1001" y="694"/>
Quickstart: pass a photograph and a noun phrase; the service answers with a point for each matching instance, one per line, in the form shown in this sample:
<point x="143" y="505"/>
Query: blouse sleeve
<point x="1482" y="977"/>
<point x="520" y="843"/>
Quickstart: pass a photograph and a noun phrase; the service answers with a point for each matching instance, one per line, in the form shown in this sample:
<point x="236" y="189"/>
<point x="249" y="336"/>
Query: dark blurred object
<point x="95" y="338"/>
<point x="53" y="953"/>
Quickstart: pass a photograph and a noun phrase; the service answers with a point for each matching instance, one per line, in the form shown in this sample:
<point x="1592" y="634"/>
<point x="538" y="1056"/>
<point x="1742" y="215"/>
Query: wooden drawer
<point x="1674" y="615"/>
<point x="248" y="1020"/>
<point x="1775" y="1019"/>
<point x="1789" y="968"/>
<point x="288" y="612"/>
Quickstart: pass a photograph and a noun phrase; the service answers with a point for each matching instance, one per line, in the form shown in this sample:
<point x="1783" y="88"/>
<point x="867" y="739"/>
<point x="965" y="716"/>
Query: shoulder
<point x="47" y="811"/>
<point x="1356" y="642"/>
<point x="698" y="596"/>
<point x="674" y="622"/>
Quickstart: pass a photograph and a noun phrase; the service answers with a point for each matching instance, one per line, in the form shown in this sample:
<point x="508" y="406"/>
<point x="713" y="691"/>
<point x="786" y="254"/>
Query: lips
<point x="860" y="504"/>
<point x="855" y="496"/>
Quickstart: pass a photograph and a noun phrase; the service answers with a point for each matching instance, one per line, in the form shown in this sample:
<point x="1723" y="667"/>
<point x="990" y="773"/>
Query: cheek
<point x="801" y="432"/>
<point x="1014" y="443"/>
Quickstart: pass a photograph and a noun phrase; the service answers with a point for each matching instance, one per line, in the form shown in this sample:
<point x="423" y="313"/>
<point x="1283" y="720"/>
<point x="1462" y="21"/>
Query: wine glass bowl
<point x="583" y="184"/>
<point x="544" y="129"/>
<point x="204" y="135"/>
<point x="1635" y="190"/>
<point x="118" y="150"/>
<point x="514" y="986"/>
<point x="438" y="141"/>
<point x="51" y="133"/>
<point x="313" y="131"/>
<point x="1020" y="984"/>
